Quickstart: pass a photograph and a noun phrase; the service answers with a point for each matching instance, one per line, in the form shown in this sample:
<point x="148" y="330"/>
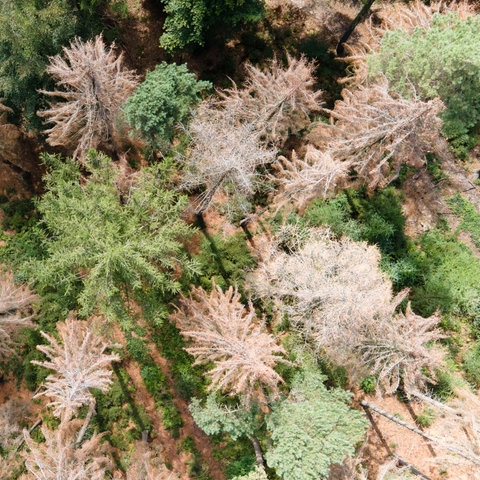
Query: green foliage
<point x="442" y="61"/>
<point x="115" y="411"/>
<point x="163" y="100"/>
<point x="426" y="418"/>
<point x="449" y="279"/>
<point x="189" y="22"/>
<point x="105" y="243"/>
<point x="227" y="260"/>
<point x="313" y="430"/>
<point x="368" y="384"/>
<point x="188" y="379"/>
<point x="471" y="364"/>
<point x="257" y="474"/>
<point x="469" y="215"/>
<point x="214" y="418"/>
<point x="153" y="378"/>
<point x="30" y="32"/>
<point x="242" y="466"/>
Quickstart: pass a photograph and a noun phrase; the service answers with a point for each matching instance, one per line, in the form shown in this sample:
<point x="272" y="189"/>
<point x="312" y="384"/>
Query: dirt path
<point x="166" y="443"/>
<point x="189" y="429"/>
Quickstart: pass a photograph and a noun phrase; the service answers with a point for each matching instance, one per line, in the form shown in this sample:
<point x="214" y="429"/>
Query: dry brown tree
<point x="224" y="156"/>
<point x="225" y="332"/>
<point x="235" y="135"/>
<point x="371" y="134"/>
<point x="79" y="363"/>
<point x="276" y="100"/>
<point x="57" y="458"/>
<point x="336" y="295"/>
<point x="376" y="132"/>
<point x="318" y="174"/>
<point x="14" y="302"/>
<point x="94" y="86"/>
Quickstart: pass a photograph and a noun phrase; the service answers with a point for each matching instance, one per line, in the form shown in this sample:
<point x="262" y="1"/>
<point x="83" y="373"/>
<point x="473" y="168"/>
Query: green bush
<point x="471" y="365"/>
<point x="470" y="218"/>
<point x="190" y="22"/>
<point x="426" y="418"/>
<point x="227" y="260"/>
<point x="449" y="277"/>
<point x="163" y="100"/>
<point x="153" y="378"/>
<point x="442" y="61"/>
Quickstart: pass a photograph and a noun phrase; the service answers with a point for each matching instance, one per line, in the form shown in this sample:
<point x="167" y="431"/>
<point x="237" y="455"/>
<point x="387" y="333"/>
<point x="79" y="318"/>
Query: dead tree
<point x="14" y="315"/>
<point x="79" y="363"/>
<point x="57" y="458"/>
<point x="94" y="86"/>
<point x="224" y="156"/>
<point x="318" y="174"/>
<point x="277" y="101"/>
<point x="336" y="295"/>
<point x="231" y="336"/>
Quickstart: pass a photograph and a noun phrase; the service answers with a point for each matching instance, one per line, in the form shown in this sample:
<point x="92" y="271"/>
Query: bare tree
<point x="225" y="154"/>
<point x="396" y="350"/>
<point x="276" y="100"/>
<point x="234" y="136"/>
<point x="148" y="465"/>
<point x="336" y="295"/>
<point x="14" y="301"/>
<point x="79" y="363"/>
<point x="226" y="333"/>
<point x="375" y="133"/>
<point x="371" y="134"/>
<point x="94" y="87"/>
<point x="316" y="175"/>
<point x="58" y="459"/>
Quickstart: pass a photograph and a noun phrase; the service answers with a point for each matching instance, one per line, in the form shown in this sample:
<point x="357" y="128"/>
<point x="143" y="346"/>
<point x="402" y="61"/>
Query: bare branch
<point x="335" y="293"/>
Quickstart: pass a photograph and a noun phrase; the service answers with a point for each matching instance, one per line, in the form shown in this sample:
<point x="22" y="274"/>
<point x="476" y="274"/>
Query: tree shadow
<point x="216" y="253"/>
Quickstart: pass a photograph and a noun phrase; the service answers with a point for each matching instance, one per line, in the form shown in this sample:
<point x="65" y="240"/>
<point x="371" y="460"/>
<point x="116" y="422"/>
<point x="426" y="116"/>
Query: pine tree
<point x="103" y="244"/>
<point x="312" y="429"/>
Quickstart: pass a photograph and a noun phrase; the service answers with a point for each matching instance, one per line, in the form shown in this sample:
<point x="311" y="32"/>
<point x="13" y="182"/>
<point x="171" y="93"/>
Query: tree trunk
<point x="258" y="452"/>
<point x="348" y="32"/>
<point x="445" y="445"/>
<point x="86" y="423"/>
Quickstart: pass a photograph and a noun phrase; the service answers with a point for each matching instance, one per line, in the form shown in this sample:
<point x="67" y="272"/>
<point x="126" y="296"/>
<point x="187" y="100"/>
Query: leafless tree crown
<point x="371" y="134"/>
<point x="14" y="301"/>
<point x="235" y="135"/>
<point x="94" y="85"/>
<point x="335" y="293"/>
<point x="224" y="152"/>
<point x="79" y="363"/>
<point x="58" y="459"/>
<point x="277" y="100"/>
<point x="226" y="333"/>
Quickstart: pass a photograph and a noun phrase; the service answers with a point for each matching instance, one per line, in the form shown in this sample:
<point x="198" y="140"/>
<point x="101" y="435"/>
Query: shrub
<point x="189" y="22"/>
<point x="162" y="101"/>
